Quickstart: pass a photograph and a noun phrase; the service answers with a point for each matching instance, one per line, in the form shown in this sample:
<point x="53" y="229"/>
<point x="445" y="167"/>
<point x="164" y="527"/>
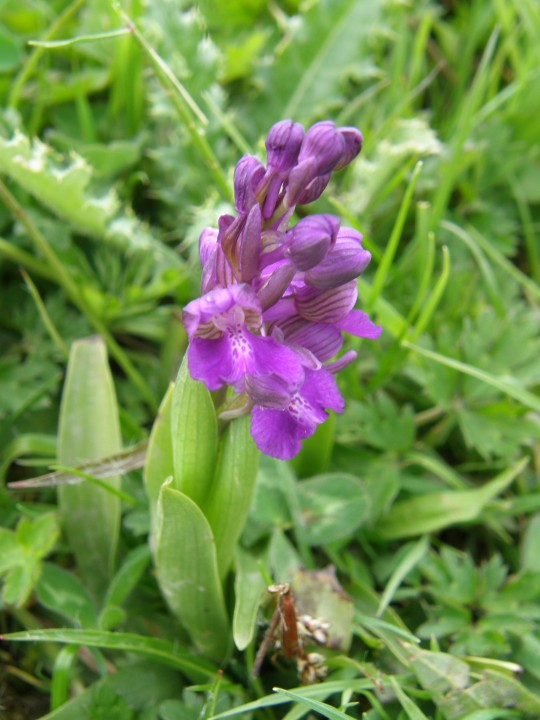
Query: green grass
<point x="119" y="131"/>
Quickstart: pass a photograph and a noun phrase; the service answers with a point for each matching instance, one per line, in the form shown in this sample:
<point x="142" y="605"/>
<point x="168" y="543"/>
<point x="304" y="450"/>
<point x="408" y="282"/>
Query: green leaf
<point x="117" y="696"/>
<point x="327" y="711"/>
<point x="249" y="591"/>
<point x="334" y="506"/>
<point x="60" y="591"/>
<point x="194" y="436"/>
<point x="530" y="557"/>
<point x="434" y="511"/>
<point x="159" y="458"/>
<point x="89" y="430"/>
<point x="411" y="708"/>
<point x="410" y="559"/>
<point x="63" y="189"/>
<point x="187" y="572"/>
<point x="319" y="594"/>
<point x="164" y="652"/>
<point x="10" y="51"/>
<point x="21" y="552"/>
<point x="328" y="43"/>
<point x="232" y="491"/>
<point x="128" y="576"/>
<point x="439" y="673"/>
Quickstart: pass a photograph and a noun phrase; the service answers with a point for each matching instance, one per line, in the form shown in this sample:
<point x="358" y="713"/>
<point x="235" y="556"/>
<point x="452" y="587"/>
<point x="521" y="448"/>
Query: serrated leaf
<point x="187" y="572"/>
<point x="62" y="188"/>
<point x="231" y="494"/>
<point x="194" y="436"/>
<point x="89" y="430"/>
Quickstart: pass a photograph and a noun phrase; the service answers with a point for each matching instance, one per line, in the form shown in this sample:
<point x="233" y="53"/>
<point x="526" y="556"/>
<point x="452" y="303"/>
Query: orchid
<point x="276" y="300"/>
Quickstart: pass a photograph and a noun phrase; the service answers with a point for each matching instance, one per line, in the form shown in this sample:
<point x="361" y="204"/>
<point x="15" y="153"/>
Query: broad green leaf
<point x="249" y="591"/>
<point x="194" y="436"/>
<point x="319" y="594"/>
<point x="334" y="506"/>
<point x="89" y="429"/>
<point x="434" y="511"/>
<point x="232" y="491"/>
<point x="494" y="690"/>
<point x="60" y="591"/>
<point x="530" y="557"/>
<point x="439" y="673"/>
<point x="159" y="458"/>
<point x="187" y="572"/>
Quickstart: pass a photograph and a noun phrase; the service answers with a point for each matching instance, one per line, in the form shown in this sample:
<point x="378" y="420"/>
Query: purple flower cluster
<point x="275" y="301"/>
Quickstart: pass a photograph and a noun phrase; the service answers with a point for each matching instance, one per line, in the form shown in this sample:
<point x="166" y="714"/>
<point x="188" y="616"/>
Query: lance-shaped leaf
<point x="89" y="429"/>
<point x="232" y="492"/>
<point x="194" y="436"/>
<point x="187" y="572"/>
<point x="159" y="458"/>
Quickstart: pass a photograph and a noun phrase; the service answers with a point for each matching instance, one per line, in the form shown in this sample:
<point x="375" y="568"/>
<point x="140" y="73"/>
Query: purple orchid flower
<point x="276" y="301"/>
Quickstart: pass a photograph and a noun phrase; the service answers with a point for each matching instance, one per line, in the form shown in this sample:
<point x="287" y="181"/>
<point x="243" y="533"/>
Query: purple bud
<point x="276" y="285"/>
<point x="327" y="306"/>
<point x="207" y="243"/>
<point x="314" y="190"/>
<point x="324" y="143"/>
<point x="247" y="175"/>
<point x="272" y="195"/>
<point x="283" y="145"/>
<point x="251" y="245"/>
<point x="345" y="261"/>
<point x="230" y="229"/>
<point x="310" y="239"/>
<point x="299" y="178"/>
<point x="353" y="144"/>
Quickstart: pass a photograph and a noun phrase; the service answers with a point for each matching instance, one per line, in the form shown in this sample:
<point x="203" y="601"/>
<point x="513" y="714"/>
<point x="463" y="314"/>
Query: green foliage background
<point x="116" y="149"/>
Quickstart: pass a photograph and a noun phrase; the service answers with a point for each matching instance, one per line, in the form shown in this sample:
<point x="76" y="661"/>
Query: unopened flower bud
<point x="324" y="143"/>
<point x="283" y="145"/>
<point x="251" y="245"/>
<point x="353" y="144"/>
<point x="314" y="190"/>
<point x="310" y="239"/>
<point x="247" y="176"/>
<point x="345" y="261"/>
